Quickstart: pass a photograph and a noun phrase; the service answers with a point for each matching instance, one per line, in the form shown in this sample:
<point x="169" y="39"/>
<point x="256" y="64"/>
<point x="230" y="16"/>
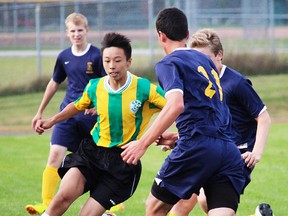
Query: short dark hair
<point x="113" y="39"/>
<point x="172" y="22"/>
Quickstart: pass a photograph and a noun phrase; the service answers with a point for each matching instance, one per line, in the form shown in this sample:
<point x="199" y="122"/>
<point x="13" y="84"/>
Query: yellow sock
<point x="50" y="181"/>
<point x="119" y="207"/>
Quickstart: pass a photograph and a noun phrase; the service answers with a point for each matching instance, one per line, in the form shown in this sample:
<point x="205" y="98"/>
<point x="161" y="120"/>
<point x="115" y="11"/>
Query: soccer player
<point x="79" y="63"/>
<point x="124" y="103"/>
<point x="205" y="155"/>
<point x="250" y="117"/>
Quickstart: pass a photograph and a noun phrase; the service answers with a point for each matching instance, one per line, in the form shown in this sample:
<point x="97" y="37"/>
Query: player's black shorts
<point x="109" y="179"/>
<point x="218" y="195"/>
<point x="221" y="194"/>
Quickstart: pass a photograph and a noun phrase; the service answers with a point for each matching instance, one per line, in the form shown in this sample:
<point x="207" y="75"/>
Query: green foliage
<point x="257" y="63"/>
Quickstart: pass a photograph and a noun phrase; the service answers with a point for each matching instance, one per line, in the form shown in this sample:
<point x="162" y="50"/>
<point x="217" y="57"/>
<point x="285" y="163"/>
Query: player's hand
<point x="91" y="111"/>
<point x="42" y="125"/>
<point x="133" y="151"/>
<point x="35" y="119"/>
<point x="38" y="127"/>
<point x="167" y="140"/>
<point x="251" y="159"/>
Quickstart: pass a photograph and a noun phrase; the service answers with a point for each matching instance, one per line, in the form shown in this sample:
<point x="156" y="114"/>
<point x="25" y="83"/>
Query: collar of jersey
<point x="182" y="48"/>
<point x="222" y="71"/>
<point x="123" y="88"/>
<point x="82" y="53"/>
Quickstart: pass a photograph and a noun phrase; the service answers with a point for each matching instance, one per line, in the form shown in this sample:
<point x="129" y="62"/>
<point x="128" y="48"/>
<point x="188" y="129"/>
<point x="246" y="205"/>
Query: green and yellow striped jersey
<point x="123" y="115"/>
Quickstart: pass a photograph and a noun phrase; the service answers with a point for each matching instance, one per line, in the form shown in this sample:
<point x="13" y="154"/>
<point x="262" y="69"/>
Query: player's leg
<point x="184" y="207"/>
<point x="160" y="201"/>
<point x="50" y="179"/>
<point x="157" y="207"/>
<point x="222" y="199"/>
<point x="64" y="137"/>
<point x="92" y="208"/>
<point x="71" y="187"/>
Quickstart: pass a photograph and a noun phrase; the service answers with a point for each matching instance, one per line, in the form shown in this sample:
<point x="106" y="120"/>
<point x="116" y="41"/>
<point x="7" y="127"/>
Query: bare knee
<point x="62" y="198"/>
<point x="184" y="207"/>
<point x="156" y="207"/>
<point x="56" y="155"/>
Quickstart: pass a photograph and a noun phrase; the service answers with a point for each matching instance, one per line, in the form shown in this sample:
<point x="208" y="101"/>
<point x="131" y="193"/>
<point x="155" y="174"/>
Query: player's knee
<point x="149" y="204"/>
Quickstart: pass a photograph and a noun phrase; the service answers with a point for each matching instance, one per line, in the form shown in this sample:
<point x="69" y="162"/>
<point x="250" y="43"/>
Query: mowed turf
<point x="23" y="158"/>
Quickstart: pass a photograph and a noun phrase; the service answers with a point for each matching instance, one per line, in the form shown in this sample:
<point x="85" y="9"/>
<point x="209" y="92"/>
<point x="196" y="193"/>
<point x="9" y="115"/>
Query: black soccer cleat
<point x="264" y="209"/>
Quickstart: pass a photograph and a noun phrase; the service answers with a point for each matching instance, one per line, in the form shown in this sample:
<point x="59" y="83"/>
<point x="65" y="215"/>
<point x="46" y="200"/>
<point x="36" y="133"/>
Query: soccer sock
<point x="50" y="181"/>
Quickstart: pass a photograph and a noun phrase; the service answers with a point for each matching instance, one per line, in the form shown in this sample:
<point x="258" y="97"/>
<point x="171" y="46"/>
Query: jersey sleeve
<point x="156" y="97"/>
<point x="59" y="74"/>
<point x="168" y="76"/>
<point x="249" y="98"/>
<point x="84" y="102"/>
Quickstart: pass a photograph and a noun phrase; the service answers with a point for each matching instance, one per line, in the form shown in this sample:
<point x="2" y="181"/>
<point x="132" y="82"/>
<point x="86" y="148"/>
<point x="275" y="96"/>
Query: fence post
<point x="38" y="38"/>
<point x="151" y="30"/>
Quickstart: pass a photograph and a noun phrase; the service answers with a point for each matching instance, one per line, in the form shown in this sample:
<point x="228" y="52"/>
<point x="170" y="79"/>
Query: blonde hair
<point x="77" y="19"/>
<point x="207" y="37"/>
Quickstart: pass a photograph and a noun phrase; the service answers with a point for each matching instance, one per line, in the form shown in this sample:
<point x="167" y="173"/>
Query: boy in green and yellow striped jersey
<point x="125" y="104"/>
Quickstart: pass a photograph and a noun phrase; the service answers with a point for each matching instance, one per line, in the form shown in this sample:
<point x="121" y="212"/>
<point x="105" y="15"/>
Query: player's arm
<point x="69" y="111"/>
<point x="51" y="89"/>
<point x="136" y="149"/>
<point x="263" y="126"/>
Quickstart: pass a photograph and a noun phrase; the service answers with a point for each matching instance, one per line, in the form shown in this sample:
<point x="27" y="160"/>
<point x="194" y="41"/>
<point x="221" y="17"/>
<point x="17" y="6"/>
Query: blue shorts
<point x="247" y="170"/>
<point x="198" y="162"/>
<point x="70" y="132"/>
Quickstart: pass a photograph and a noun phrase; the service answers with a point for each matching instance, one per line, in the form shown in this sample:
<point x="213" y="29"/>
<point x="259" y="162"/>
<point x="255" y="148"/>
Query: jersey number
<point x="209" y="92"/>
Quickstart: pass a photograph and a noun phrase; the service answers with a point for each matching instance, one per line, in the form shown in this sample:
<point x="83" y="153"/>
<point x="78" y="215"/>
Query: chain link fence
<point x="37" y="27"/>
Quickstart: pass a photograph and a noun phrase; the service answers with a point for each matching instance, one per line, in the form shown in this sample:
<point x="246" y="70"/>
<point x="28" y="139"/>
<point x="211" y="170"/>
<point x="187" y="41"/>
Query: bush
<point x="247" y="64"/>
<point x="37" y="85"/>
<point x="257" y="64"/>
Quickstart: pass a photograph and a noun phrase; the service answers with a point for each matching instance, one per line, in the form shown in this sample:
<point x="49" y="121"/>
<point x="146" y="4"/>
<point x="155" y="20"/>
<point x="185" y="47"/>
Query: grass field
<point x="23" y="159"/>
<point x="23" y="153"/>
<point x="17" y="112"/>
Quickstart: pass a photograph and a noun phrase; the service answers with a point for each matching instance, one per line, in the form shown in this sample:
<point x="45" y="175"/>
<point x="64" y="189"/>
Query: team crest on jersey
<point x="135" y="105"/>
<point x="89" y="69"/>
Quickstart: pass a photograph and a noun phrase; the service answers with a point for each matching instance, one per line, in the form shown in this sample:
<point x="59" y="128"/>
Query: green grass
<point x="20" y="71"/>
<point x="23" y="159"/>
<point x="16" y="112"/>
<point x="24" y="154"/>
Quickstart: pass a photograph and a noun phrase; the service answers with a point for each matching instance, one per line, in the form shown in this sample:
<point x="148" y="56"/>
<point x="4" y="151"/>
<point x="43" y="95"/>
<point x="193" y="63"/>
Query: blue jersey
<point x="205" y="111"/>
<point x="244" y="103"/>
<point x="78" y="69"/>
<point x="204" y="127"/>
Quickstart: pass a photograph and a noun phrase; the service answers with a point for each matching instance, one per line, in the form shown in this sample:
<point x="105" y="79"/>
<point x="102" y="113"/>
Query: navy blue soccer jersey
<point x="194" y="74"/>
<point x="79" y="69"/>
<point x="244" y="103"/>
